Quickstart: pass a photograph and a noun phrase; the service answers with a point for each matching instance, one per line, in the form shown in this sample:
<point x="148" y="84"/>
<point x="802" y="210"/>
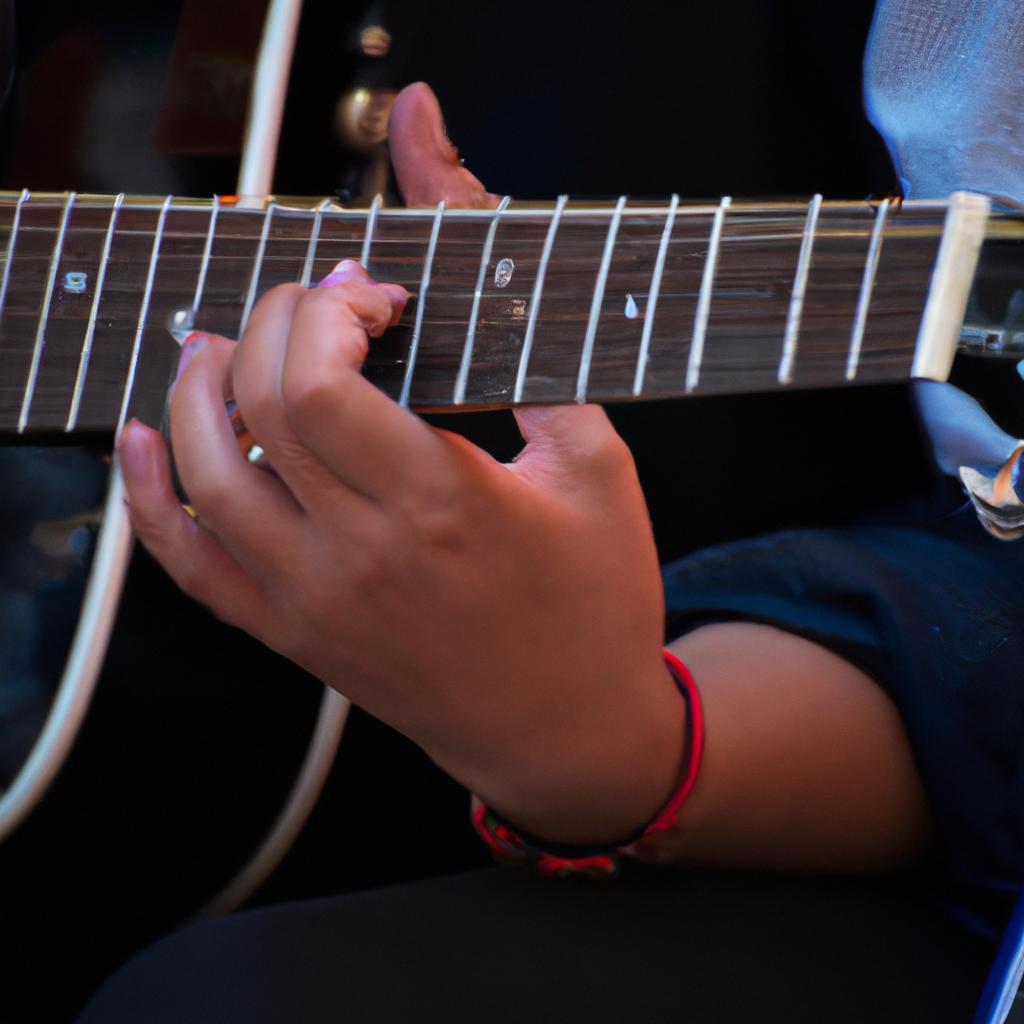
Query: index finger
<point x="367" y="440"/>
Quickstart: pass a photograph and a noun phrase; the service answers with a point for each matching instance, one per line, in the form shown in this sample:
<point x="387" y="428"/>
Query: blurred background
<point x="196" y="731"/>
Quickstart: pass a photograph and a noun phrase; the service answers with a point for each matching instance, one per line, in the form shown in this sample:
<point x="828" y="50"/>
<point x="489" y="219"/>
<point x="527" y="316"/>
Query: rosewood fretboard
<point x="531" y="304"/>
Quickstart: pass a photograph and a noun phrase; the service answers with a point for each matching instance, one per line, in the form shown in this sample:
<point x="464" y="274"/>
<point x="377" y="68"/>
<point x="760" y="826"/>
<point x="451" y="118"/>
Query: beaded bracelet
<point x="556" y="860"/>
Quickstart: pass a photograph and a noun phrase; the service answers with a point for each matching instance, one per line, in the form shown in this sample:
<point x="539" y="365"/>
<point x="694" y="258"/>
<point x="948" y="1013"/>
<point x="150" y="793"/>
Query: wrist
<point x="599" y="786"/>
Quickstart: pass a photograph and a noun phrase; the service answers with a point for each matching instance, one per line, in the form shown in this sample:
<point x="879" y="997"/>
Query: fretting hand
<point x="508" y="618"/>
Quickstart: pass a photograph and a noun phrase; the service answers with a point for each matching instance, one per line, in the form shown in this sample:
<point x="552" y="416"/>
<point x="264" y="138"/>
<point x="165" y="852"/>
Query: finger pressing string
<point x="220" y="485"/>
<point x="351" y="270"/>
<point x="194" y="558"/>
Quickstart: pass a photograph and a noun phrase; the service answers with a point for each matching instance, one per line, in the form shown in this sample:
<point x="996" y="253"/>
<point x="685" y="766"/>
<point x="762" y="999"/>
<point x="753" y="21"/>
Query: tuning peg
<point x="361" y="118"/>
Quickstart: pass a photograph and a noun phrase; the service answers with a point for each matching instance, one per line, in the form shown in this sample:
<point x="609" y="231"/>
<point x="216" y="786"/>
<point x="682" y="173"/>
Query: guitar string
<point x="926" y="230"/>
<point x="343" y="245"/>
<point x="795" y="212"/>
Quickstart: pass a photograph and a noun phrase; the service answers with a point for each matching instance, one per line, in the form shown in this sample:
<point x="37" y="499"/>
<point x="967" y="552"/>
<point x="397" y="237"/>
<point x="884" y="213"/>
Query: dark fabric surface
<point x="501" y="946"/>
<point x="935" y="613"/>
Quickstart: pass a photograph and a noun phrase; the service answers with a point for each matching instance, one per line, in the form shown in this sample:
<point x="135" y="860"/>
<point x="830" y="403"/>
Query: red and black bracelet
<point x="554" y="860"/>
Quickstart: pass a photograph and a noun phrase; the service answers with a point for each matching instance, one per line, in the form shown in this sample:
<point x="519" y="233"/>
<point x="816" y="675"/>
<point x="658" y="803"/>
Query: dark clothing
<point x="504" y="947"/>
<point x="934" y="613"/>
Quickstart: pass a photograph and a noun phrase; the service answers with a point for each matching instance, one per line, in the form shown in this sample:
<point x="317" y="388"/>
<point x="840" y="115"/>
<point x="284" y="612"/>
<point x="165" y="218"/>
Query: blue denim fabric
<point x="935" y="614"/>
<point x="942" y="81"/>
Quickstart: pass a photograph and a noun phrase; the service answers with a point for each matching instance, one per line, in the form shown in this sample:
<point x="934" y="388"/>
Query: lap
<point x="704" y="946"/>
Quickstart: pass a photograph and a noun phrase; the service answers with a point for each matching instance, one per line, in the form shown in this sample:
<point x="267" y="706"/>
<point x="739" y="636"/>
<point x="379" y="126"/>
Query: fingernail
<point x="343" y="271"/>
<point x="448" y="148"/>
<point x="131" y="451"/>
<point x="193" y="345"/>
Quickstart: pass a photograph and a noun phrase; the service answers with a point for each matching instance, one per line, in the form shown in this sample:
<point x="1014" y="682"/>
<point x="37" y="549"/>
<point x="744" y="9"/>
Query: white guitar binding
<point x="85" y="659"/>
<point x="114" y="546"/>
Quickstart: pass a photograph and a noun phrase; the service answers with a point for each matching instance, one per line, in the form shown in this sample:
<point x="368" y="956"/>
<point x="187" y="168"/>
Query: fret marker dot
<point x="631" y="310"/>
<point x="75" y="281"/>
<point x="503" y="272"/>
<point x="180" y="325"/>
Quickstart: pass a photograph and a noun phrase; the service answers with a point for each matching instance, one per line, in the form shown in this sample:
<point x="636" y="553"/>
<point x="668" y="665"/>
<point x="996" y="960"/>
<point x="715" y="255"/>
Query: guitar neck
<point x="556" y="303"/>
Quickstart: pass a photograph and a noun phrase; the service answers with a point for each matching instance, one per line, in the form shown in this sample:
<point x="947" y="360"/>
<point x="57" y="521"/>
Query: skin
<point x="507" y="618"/>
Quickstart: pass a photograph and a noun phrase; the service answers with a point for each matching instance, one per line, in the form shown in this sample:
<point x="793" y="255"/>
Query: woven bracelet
<point x="555" y="860"/>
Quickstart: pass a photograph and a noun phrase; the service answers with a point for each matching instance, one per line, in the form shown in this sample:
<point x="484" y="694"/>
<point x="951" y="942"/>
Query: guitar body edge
<point x="88" y="649"/>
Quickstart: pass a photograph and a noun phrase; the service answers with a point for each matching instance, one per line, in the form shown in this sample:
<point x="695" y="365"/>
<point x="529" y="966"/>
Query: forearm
<point x="807" y="764"/>
<point x="807" y="767"/>
<point x="595" y="773"/>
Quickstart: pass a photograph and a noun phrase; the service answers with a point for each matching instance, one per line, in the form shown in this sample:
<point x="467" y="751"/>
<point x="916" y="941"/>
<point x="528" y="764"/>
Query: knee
<point x="204" y="973"/>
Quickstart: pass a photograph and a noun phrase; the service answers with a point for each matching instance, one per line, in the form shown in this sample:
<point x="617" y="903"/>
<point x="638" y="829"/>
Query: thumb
<point x="568" y="447"/>
<point x="426" y="164"/>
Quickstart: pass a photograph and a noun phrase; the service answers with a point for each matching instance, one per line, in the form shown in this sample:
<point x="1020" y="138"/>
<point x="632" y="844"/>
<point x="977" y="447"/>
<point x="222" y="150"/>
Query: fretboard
<point x="558" y="303"/>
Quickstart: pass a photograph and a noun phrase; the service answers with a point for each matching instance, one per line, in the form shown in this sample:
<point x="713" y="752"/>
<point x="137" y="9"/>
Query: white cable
<point x="300" y="803"/>
<point x="114" y="545"/>
<point x="255" y="179"/>
<point x="266" y="101"/>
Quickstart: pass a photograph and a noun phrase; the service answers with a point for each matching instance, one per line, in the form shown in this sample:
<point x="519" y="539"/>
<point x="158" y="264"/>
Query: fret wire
<point x="204" y="265"/>
<point x="371" y="223"/>
<point x="485" y="257"/>
<point x="314" y="239"/>
<point x="538" y="290"/>
<point x="90" y="330"/>
<point x="652" y="298"/>
<point x="596" y="300"/>
<point x="257" y="266"/>
<point x="421" y="304"/>
<point x="9" y="257"/>
<point x="143" y="312"/>
<point x="796" y="301"/>
<point x="866" y="288"/>
<point x="700" y="320"/>
<point x="44" y="313"/>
